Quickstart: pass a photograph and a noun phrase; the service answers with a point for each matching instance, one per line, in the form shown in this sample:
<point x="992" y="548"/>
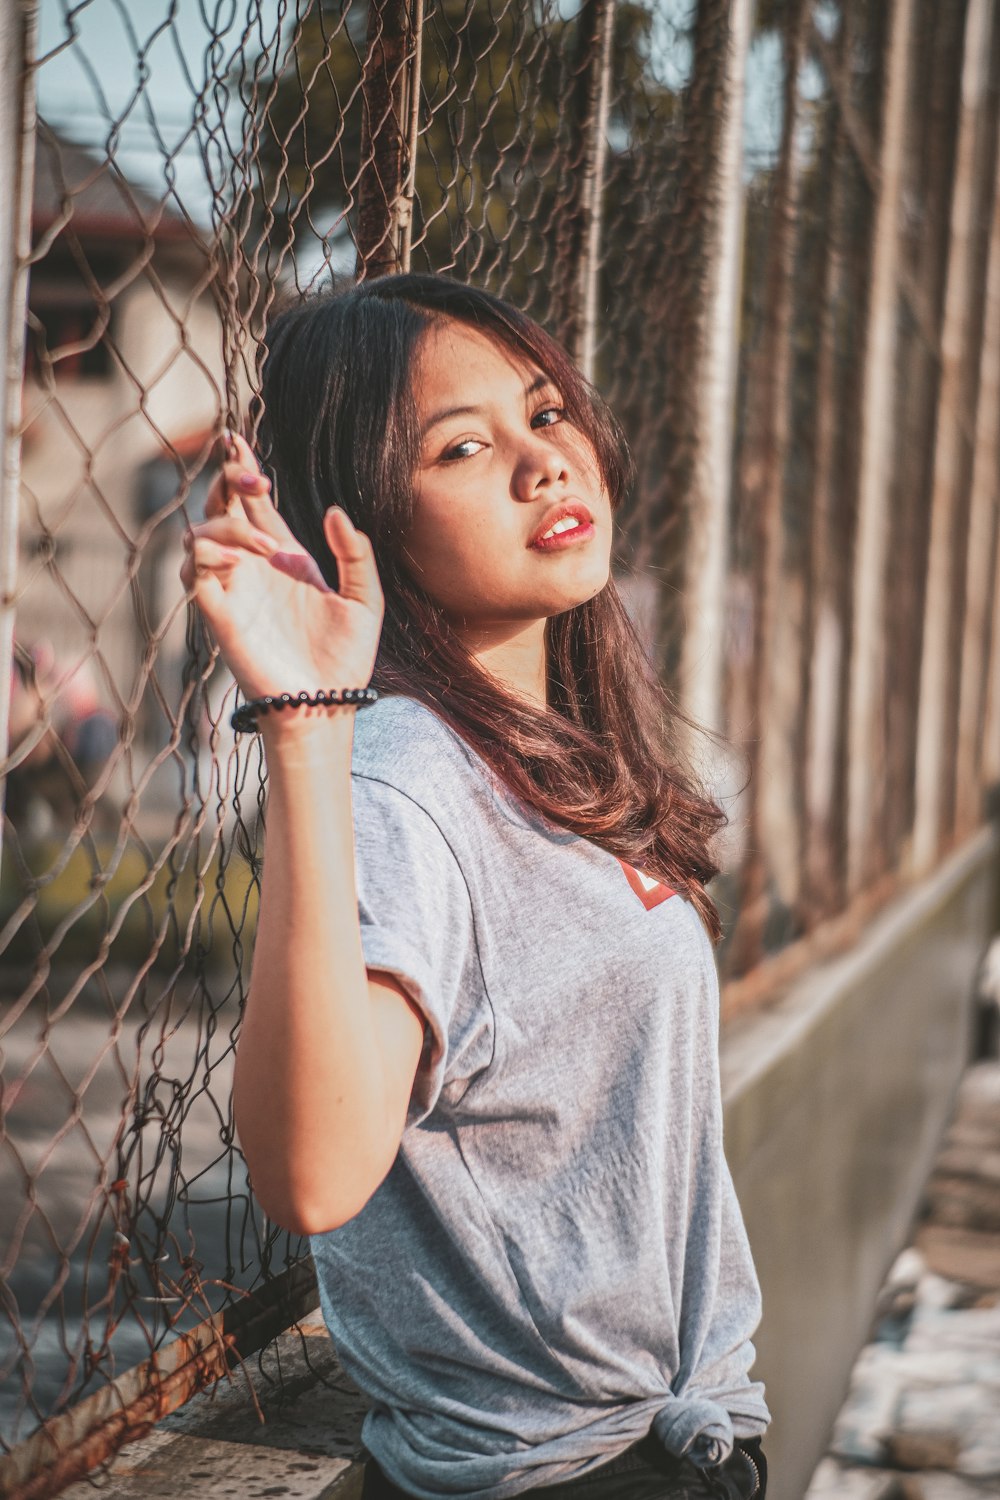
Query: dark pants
<point x="643" y="1472"/>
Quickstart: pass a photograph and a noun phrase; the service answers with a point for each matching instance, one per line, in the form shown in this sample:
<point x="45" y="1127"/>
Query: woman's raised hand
<point x="278" y="624"/>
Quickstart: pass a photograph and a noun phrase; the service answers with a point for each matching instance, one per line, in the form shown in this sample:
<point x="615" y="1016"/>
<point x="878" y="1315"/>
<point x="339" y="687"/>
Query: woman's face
<point x="499" y="468"/>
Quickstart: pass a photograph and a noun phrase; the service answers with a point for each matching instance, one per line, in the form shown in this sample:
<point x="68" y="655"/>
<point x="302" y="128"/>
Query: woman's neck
<point x="514" y="653"/>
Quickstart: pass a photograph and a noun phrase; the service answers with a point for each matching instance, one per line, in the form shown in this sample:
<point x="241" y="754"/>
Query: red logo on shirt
<point x="649" y="890"/>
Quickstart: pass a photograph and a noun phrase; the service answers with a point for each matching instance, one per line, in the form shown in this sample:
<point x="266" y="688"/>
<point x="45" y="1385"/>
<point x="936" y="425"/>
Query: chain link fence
<point x="770" y="235"/>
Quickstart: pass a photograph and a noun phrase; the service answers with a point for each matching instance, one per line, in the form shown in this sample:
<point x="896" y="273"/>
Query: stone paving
<point x="922" y="1416"/>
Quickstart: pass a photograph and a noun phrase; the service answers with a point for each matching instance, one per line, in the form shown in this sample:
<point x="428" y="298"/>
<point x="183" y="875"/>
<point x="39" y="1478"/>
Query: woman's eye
<point x="466" y="449"/>
<point x="548" y="416"/>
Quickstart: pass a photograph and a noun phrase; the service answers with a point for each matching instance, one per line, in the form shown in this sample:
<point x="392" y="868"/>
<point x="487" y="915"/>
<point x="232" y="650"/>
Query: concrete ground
<point x="922" y="1416"/>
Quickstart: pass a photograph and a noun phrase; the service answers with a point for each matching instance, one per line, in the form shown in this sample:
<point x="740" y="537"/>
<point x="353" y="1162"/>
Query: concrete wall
<point x="835" y="1098"/>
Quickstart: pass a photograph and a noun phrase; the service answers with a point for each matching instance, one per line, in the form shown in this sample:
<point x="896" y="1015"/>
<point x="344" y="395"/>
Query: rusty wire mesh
<point x="573" y="158"/>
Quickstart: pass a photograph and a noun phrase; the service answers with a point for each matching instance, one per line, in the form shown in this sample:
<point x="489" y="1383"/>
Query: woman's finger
<point x="259" y="509"/>
<point x="243" y="480"/>
<point x="232" y="483"/>
<point x="357" y="575"/>
<point x="218" y="498"/>
<point x="239" y="476"/>
<point x="254" y="491"/>
<point x="239" y="451"/>
<point x="234" y="530"/>
<point x="207" y="556"/>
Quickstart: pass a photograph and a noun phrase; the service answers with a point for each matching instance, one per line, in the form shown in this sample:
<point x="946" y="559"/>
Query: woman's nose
<point x="540" y="464"/>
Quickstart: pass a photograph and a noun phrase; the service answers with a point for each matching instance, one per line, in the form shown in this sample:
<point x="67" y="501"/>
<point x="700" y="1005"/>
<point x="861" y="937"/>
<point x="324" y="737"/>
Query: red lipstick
<point x="566" y="535"/>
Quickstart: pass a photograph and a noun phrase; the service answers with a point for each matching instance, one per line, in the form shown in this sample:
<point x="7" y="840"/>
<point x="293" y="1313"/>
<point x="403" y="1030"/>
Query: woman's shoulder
<point x="406" y="744"/>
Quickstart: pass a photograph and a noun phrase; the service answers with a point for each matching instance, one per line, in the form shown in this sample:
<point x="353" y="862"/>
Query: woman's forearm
<point x="317" y="1112"/>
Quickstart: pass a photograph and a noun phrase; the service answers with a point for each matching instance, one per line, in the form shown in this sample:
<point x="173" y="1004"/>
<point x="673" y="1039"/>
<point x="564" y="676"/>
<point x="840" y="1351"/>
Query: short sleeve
<point x="417" y="924"/>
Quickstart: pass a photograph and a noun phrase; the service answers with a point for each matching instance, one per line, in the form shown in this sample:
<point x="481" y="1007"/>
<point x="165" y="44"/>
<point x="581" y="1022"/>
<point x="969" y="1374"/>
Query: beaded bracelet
<point x="244" y="718"/>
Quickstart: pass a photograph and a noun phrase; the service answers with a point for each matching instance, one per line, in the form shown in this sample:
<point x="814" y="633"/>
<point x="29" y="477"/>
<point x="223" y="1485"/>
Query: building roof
<point x="76" y="186"/>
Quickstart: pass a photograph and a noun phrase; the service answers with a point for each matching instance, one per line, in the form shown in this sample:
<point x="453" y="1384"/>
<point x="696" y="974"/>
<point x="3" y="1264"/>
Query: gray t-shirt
<point x="556" y="1261"/>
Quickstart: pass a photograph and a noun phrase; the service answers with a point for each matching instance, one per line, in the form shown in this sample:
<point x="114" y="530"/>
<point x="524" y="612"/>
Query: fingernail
<point x="263" y="540"/>
<point x="248" y="481"/>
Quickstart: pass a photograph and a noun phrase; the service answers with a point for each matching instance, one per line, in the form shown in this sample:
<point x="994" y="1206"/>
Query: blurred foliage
<point x="498" y="155"/>
<point x="98" y="900"/>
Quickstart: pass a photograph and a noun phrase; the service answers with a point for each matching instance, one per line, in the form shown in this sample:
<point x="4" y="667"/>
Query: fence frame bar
<point x="18" y="40"/>
<point x="73" y="1444"/>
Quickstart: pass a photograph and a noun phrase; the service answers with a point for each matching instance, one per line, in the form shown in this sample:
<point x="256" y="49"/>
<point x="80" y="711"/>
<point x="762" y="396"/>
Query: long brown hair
<point x="339" y="427"/>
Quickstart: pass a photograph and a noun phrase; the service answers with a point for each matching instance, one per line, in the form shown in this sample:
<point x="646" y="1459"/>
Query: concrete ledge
<point x="288" y="1423"/>
<point x="836" y="1097"/>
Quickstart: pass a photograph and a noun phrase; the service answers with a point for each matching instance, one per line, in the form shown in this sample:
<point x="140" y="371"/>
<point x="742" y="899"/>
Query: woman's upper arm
<point x="400" y="1027"/>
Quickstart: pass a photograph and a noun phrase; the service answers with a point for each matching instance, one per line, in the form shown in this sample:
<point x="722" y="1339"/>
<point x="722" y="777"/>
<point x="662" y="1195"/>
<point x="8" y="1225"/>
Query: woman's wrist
<point x="308" y="735"/>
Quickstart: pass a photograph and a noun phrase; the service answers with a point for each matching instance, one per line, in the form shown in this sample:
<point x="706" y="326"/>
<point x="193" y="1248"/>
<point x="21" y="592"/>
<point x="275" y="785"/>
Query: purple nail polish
<point x="248" y="481"/>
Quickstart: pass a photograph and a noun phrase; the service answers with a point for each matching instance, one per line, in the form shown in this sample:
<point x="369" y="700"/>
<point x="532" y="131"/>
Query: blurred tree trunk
<point x="694" y="244"/>
<point x="761" y="479"/>
<point x="662" y="213"/>
<point x="989" y="754"/>
<point x="932" y="136"/>
<point x="981" y="556"/>
<point x="578" y="239"/>
<point x="952" y="453"/>
<point x="823" y="644"/>
<point x="990" y="751"/>
<point x="714" y="380"/>
<point x="869" y="624"/>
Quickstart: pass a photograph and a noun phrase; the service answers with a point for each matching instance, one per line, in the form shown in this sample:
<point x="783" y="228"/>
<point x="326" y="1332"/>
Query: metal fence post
<point x="18" y="28"/>
<point x="390" y="125"/>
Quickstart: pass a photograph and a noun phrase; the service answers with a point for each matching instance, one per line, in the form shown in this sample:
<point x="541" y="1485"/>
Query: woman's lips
<point x="575" y="524"/>
<point x="578" y="533"/>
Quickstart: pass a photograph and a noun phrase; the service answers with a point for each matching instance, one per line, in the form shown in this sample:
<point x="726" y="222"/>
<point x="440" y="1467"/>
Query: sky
<point x="140" y="70"/>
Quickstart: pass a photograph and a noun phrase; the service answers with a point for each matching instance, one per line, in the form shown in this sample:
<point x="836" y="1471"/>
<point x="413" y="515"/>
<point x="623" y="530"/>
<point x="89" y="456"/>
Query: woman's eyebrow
<point x="538" y="384"/>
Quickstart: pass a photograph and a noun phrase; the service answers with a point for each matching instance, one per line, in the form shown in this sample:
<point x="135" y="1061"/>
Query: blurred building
<point x="121" y="399"/>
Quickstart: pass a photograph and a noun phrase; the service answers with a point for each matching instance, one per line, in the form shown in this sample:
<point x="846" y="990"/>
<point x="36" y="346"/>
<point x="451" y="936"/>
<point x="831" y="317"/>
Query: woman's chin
<point x="573" y="595"/>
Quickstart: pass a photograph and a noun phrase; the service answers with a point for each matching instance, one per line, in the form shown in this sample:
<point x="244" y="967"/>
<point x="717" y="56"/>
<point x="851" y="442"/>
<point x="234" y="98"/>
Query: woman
<point x="478" y="1064"/>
